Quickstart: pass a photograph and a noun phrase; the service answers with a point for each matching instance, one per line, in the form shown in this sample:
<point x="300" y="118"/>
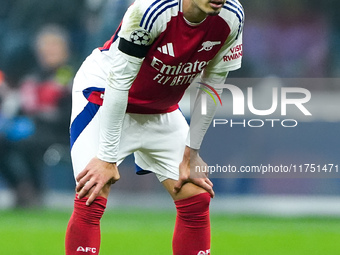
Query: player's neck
<point x="192" y="13"/>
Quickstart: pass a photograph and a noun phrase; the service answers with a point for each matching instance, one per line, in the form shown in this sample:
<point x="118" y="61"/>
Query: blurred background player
<point x="156" y="53"/>
<point x="39" y="114"/>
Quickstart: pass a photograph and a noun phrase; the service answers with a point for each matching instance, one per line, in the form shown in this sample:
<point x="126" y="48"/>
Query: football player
<point x="125" y="100"/>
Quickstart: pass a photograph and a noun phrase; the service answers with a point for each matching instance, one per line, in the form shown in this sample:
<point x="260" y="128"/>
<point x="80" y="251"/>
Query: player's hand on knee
<point x="191" y="159"/>
<point x="96" y="175"/>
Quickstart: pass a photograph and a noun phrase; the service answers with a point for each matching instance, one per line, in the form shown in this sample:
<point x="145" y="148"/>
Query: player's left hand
<point x="192" y="159"/>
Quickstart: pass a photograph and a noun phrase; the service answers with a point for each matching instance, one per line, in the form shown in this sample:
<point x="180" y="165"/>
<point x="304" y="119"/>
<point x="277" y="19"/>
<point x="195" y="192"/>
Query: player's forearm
<point x="199" y="123"/>
<point x="119" y="81"/>
<point x="111" y="119"/>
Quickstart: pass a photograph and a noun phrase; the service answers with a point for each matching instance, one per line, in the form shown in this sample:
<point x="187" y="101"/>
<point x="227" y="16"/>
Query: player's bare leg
<point x="192" y="228"/>
<point x="187" y="190"/>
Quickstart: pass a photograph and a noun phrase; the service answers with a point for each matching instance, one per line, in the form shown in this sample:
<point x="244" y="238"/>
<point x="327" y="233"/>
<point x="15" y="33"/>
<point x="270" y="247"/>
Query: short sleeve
<point x="143" y="22"/>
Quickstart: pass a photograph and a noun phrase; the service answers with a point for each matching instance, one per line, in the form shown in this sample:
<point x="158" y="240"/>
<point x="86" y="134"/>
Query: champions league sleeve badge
<point x="140" y="37"/>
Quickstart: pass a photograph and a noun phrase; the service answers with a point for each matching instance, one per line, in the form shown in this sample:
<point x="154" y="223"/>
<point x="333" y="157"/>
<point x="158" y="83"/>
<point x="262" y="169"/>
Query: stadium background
<point x="283" y="39"/>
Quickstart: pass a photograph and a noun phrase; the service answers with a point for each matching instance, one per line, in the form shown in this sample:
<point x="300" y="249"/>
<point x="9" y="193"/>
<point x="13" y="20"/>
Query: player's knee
<point x="194" y="210"/>
<point x="89" y="214"/>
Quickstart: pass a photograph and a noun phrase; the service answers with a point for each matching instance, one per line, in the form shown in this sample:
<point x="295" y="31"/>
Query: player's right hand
<point x="95" y="177"/>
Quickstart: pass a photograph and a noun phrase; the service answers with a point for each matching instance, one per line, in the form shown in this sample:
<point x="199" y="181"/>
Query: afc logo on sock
<point x="207" y="252"/>
<point x="86" y="249"/>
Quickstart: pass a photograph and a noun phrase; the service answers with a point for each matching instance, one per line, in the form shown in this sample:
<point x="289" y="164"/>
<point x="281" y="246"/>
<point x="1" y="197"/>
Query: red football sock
<point x="192" y="228"/>
<point x="83" y="230"/>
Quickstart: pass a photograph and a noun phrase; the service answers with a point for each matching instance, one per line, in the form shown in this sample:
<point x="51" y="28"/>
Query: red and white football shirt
<point x="178" y="51"/>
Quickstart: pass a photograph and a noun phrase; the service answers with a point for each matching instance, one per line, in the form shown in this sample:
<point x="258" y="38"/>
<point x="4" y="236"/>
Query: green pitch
<point x="131" y="233"/>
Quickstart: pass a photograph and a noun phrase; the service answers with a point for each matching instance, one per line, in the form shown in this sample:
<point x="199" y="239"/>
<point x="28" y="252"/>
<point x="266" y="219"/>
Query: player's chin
<point x="213" y="13"/>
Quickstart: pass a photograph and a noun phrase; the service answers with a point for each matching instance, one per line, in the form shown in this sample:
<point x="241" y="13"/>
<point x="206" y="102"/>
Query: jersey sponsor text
<point x="177" y="74"/>
<point x="236" y="53"/>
